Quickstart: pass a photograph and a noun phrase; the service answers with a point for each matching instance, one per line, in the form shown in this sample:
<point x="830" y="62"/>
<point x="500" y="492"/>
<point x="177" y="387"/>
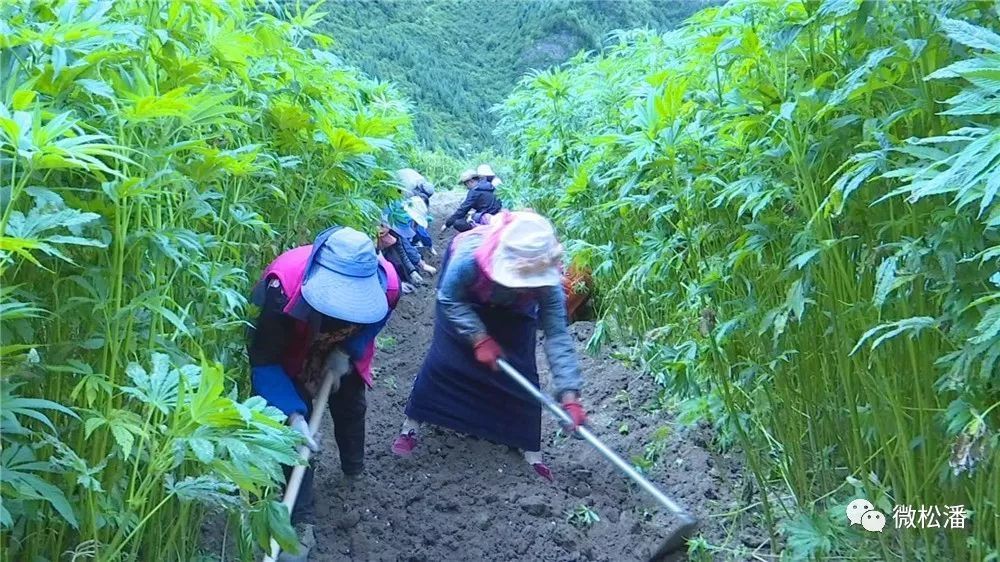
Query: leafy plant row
<point x="153" y="154"/>
<point x="794" y="206"/>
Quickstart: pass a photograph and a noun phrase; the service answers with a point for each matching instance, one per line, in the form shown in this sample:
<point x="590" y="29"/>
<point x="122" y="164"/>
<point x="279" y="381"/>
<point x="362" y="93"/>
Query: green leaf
<point x="6" y="521"/>
<point x="203" y="449"/>
<point x="890" y="330"/>
<point x="92" y="424"/>
<point x="124" y="438"/>
<point x="205" y="489"/>
<point x="803" y="259"/>
<point x="838" y="8"/>
<point x="280" y="526"/>
<point x="971" y="35"/>
<point x="12" y="406"/>
<point x="171" y="317"/>
<point x="856" y="79"/>
<point x="885" y="279"/>
<point x="23" y="99"/>
<point x="988" y="329"/>
<point x="18" y="464"/>
<point x="808" y="537"/>
<point x="97" y="87"/>
<point x="209" y="406"/>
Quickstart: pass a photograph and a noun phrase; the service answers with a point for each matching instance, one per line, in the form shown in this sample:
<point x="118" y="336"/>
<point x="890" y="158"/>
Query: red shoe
<point x="405" y="443"/>
<point x="543" y="470"/>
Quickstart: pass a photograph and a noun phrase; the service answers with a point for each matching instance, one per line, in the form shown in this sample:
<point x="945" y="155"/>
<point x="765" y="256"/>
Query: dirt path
<point x="459" y="498"/>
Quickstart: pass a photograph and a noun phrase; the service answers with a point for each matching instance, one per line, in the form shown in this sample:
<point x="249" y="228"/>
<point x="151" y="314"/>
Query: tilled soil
<point x="461" y="498"/>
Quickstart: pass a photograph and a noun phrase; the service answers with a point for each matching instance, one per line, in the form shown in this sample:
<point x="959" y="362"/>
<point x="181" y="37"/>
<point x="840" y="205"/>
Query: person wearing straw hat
<point x="481" y="200"/>
<point x="417" y="209"/>
<point x="321" y="306"/>
<point x="468" y="178"/>
<point x="415" y="184"/>
<point x="499" y="283"/>
<point x="486" y="172"/>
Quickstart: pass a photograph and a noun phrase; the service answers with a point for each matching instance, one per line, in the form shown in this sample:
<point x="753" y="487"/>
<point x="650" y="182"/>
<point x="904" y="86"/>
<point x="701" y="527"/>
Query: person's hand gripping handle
<point x="299" y="423"/>
<point x="487" y="351"/>
<point x="572" y="406"/>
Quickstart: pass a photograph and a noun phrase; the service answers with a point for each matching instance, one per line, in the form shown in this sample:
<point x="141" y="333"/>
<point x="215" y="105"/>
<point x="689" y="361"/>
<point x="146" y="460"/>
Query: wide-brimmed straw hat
<point x="342" y="280"/>
<point x="485" y="171"/>
<point x="467" y="175"/>
<point x="528" y="253"/>
<point x="417" y="210"/>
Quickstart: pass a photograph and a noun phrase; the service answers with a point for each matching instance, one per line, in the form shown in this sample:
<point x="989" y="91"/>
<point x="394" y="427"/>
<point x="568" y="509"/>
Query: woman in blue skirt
<point x="500" y="283"/>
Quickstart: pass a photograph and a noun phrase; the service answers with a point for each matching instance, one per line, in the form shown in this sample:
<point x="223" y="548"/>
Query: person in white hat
<point x="468" y="178"/>
<point x="417" y="209"/>
<point x="486" y="172"/>
<point x="482" y="200"/>
<point x="499" y="283"/>
<point x="414" y="184"/>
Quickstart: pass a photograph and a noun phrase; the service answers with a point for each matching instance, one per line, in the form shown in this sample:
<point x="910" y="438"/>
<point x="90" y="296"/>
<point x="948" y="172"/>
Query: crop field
<point x="790" y="211"/>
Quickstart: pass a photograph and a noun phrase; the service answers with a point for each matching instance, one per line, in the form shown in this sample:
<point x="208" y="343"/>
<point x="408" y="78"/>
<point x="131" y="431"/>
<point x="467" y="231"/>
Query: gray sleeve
<point x="453" y="294"/>
<point x="559" y="347"/>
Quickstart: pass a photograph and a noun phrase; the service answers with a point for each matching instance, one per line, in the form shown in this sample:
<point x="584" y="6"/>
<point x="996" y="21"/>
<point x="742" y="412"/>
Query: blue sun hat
<point x="343" y="278"/>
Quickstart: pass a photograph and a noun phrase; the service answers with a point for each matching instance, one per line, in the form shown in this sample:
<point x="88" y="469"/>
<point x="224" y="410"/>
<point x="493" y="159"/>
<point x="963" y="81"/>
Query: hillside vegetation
<point x="791" y="210"/>
<point x="793" y="206"/>
<point x="151" y="159"/>
<point x="455" y="59"/>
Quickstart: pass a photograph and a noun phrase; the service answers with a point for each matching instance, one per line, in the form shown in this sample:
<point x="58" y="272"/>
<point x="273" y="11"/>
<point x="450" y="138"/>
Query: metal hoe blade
<point x="688" y="524"/>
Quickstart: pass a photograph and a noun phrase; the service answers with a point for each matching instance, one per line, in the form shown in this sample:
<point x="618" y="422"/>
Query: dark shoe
<point x="355" y="481"/>
<point x="353" y="471"/>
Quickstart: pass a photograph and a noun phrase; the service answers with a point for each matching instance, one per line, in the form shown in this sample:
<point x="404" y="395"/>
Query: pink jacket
<point x="289" y="269"/>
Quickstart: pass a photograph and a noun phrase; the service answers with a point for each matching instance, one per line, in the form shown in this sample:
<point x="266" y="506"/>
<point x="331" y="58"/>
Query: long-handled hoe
<point x="672" y="543"/>
<point x="295" y="481"/>
<point x="688" y="524"/>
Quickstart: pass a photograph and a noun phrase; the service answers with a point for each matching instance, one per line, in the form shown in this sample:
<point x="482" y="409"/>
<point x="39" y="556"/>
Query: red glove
<point x="575" y="410"/>
<point x="487" y="352"/>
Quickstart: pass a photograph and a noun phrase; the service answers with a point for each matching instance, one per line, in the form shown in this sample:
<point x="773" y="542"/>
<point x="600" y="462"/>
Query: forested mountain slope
<point x="457" y="58"/>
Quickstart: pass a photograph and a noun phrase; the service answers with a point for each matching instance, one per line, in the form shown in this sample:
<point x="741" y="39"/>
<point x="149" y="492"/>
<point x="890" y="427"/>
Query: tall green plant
<point x="794" y="203"/>
<point x="152" y="155"/>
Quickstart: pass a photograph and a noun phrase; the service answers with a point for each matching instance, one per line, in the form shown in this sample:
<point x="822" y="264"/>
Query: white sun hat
<point x="410" y="179"/>
<point x="466" y="175"/>
<point x="485" y="171"/>
<point x="417" y="209"/>
<point x="528" y="253"/>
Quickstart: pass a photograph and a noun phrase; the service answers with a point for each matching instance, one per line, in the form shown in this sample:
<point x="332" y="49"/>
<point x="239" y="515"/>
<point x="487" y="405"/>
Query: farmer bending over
<point x="394" y="237"/>
<point x="481" y="199"/>
<point x="417" y="209"/>
<point x="321" y="307"/>
<point x="499" y="282"/>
